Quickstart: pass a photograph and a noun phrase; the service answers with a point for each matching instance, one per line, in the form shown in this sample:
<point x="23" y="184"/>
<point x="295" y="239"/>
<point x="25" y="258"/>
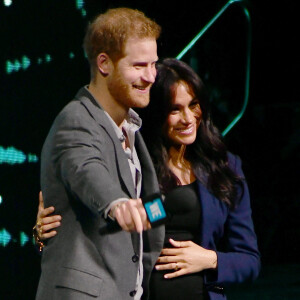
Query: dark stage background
<point x="42" y="65"/>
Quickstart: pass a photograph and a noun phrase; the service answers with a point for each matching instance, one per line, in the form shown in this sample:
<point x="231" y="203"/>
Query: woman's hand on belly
<point x="185" y="258"/>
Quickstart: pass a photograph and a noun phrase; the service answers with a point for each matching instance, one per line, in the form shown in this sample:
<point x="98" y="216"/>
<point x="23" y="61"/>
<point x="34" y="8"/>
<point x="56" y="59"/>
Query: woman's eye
<point x="174" y="111"/>
<point x="194" y="104"/>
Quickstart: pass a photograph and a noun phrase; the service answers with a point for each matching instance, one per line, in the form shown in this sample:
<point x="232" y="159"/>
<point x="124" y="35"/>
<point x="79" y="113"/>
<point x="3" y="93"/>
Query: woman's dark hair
<point x="207" y="155"/>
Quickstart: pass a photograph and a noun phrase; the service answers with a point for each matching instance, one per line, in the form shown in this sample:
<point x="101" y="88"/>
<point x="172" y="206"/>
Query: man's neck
<point x="100" y="92"/>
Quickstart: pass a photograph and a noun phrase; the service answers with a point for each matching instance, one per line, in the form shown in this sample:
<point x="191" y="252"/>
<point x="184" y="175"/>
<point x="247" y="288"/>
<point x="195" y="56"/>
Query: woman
<point x="210" y="240"/>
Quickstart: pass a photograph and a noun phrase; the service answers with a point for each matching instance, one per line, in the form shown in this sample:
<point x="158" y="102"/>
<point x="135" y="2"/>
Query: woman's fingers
<point x="46" y="228"/>
<point x="48" y="235"/>
<point x="50" y="220"/>
<point x="41" y="201"/>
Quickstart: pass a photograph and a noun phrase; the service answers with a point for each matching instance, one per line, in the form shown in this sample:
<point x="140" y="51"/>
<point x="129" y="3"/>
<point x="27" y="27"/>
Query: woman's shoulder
<point x="234" y="161"/>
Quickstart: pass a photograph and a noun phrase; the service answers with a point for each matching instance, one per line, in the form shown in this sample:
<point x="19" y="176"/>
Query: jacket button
<point x="132" y="293"/>
<point x="135" y="258"/>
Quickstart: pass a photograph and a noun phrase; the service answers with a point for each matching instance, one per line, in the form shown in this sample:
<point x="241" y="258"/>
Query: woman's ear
<point x="104" y="64"/>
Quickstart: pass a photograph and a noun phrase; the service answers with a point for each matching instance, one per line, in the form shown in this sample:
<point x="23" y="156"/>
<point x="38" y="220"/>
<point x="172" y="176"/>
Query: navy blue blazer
<point x="240" y="259"/>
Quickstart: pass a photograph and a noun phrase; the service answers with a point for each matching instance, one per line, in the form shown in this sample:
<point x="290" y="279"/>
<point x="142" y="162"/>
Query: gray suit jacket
<point x="83" y="169"/>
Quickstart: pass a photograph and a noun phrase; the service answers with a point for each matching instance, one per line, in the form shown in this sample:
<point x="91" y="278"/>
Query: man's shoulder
<point x="74" y="110"/>
<point x="81" y="109"/>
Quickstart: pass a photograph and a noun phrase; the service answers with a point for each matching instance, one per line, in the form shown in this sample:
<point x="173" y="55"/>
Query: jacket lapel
<point x="214" y="214"/>
<point x="148" y="171"/>
<point x="100" y="117"/>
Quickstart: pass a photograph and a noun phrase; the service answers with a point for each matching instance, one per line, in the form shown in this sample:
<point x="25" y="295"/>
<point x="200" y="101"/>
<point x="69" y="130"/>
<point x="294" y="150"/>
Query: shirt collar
<point x="131" y="124"/>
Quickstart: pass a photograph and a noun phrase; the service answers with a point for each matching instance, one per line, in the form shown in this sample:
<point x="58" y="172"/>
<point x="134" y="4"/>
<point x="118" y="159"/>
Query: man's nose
<point x="149" y="74"/>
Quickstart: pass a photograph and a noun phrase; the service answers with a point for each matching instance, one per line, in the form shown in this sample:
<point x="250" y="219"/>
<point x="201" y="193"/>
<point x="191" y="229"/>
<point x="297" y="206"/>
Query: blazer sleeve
<point x="240" y="260"/>
<point x="83" y="157"/>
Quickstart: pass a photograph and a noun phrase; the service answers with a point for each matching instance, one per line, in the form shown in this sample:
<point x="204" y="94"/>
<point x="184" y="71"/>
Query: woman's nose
<point x="187" y="116"/>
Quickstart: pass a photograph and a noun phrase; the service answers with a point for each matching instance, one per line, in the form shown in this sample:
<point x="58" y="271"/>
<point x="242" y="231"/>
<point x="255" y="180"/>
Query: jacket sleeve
<point x="240" y="260"/>
<point x="83" y="157"/>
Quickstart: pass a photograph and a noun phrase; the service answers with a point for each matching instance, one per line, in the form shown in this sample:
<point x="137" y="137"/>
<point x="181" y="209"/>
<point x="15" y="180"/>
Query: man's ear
<point x="104" y="64"/>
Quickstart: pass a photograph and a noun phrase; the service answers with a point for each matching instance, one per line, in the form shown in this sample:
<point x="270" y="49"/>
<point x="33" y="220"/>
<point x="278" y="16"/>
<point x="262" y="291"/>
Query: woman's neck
<point x="180" y="166"/>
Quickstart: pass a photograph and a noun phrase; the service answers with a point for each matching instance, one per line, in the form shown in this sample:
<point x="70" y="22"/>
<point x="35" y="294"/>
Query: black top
<point x="184" y="215"/>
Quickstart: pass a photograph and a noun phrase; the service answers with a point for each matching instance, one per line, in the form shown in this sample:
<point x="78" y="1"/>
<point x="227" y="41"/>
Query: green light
<point x="79" y="4"/>
<point x="83" y="12"/>
<point x="48" y="57"/>
<point x="23" y="238"/>
<point x="5" y="237"/>
<point x="32" y="158"/>
<point x="248" y="54"/>
<point x="17" y="65"/>
<point x="9" y="67"/>
<point x="25" y="62"/>
<point x="71" y="55"/>
<point x="12" y="66"/>
<point x="1" y="200"/>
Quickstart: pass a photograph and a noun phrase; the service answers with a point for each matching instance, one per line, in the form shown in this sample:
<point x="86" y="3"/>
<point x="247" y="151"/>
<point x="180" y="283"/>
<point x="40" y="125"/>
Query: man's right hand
<point x="131" y="215"/>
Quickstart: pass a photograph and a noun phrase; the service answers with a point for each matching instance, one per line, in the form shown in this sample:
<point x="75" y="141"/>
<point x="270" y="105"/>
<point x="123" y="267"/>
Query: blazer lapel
<point x="100" y="117"/>
<point x="214" y="213"/>
<point x="148" y="171"/>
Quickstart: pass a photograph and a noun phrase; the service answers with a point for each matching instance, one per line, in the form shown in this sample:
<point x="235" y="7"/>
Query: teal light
<point x="1" y="200"/>
<point x="79" y="4"/>
<point x="23" y="238"/>
<point x="248" y="54"/>
<point x="13" y="156"/>
<point x="71" y="55"/>
<point x="80" y="7"/>
<point x="5" y="237"/>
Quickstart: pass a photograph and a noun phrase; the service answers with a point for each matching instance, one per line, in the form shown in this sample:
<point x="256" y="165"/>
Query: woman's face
<point x="184" y="117"/>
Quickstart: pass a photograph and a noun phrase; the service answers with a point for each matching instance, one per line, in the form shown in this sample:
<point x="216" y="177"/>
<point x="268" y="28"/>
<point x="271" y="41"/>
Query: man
<point x="95" y="167"/>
